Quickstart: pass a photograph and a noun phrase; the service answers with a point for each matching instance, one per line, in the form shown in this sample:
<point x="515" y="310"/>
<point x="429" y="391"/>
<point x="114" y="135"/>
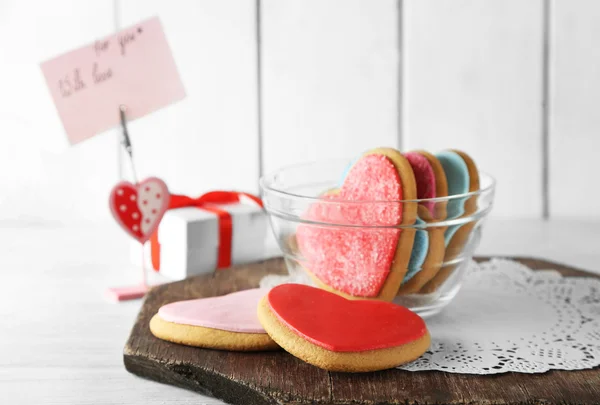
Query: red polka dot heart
<point x="139" y="208"/>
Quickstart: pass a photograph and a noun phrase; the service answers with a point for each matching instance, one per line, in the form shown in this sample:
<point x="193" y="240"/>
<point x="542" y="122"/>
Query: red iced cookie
<point x="363" y="261"/>
<point x="339" y="334"/>
<point x="424" y="176"/>
<point x="342" y="325"/>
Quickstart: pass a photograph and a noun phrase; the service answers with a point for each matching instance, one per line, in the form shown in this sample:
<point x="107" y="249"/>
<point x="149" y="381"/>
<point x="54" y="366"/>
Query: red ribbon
<point x="207" y="202"/>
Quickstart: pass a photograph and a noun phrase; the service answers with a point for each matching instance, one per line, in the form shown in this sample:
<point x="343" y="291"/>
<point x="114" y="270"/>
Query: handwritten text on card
<point x="134" y="68"/>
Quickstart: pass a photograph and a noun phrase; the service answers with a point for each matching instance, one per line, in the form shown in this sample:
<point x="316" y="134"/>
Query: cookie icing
<point x="235" y="312"/>
<point x="457" y="175"/>
<point x="424" y="176"/>
<point x="419" y="252"/>
<point x="341" y="325"/>
<point x="336" y="255"/>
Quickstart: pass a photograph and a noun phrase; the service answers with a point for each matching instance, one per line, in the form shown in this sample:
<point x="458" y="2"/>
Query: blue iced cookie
<point x="419" y="251"/>
<point x="457" y="176"/>
<point x="456" y="237"/>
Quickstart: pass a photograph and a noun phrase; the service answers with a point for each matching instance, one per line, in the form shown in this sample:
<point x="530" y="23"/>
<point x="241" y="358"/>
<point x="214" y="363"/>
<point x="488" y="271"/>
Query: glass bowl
<point x="312" y="227"/>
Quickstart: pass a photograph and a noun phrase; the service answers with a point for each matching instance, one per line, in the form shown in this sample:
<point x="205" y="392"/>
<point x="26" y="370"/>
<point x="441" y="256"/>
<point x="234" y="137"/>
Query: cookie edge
<point x="209" y="338"/>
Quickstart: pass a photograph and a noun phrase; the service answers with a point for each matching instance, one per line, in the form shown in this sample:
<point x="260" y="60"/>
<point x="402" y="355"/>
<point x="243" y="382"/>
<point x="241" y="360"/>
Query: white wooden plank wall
<point x="472" y="80"/>
<point x="574" y="108"/>
<point x="42" y="179"/>
<point x="210" y="139"/>
<point x="337" y="77"/>
<point x="329" y="78"/>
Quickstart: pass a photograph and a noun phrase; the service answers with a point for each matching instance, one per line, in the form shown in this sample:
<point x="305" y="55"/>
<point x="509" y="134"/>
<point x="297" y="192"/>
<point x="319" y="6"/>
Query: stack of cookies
<point x="314" y="325"/>
<point x="382" y="233"/>
<point x="387" y="229"/>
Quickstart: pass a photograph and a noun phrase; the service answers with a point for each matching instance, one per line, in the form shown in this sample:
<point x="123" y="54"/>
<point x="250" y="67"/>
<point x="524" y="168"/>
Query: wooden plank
<point x="329" y="79"/>
<point x="574" y="100"/>
<point x="277" y="377"/>
<point x="473" y="73"/>
<point x="43" y="178"/>
<point x="209" y="140"/>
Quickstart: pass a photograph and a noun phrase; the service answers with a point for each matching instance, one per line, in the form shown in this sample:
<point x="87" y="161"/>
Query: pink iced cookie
<point x="424" y="176"/>
<point x="355" y="261"/>
<point x="228" y="322"/>
<point x="235" y="312"/>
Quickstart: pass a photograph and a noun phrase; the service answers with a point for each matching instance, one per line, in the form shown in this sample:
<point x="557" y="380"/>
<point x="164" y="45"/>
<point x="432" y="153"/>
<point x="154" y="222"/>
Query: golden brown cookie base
<point x="380" y="297"/>
<point x="431" y="265"/>
<point x="210" y="338"/>
<point x="434" y="259"/>
<point x="454" y="249"/>
<point x="461" y="237"/>
<point x="441" y="186"/>
<point x="471" y="203"/>
<point x="371" y="360"/>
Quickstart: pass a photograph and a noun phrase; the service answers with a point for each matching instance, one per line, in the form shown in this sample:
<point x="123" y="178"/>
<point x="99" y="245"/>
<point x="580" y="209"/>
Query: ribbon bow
<point x="208" y="202"/>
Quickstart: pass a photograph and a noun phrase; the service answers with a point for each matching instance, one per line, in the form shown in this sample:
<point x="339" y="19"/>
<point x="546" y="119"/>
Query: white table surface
<point x="61" y="342"/>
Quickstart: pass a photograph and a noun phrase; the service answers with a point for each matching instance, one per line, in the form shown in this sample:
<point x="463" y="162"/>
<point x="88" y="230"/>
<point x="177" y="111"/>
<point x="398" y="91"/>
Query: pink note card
<point x="134" y="68"/>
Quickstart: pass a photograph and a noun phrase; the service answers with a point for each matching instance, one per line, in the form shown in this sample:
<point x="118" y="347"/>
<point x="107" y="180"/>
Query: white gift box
<point x="189" y="240"/>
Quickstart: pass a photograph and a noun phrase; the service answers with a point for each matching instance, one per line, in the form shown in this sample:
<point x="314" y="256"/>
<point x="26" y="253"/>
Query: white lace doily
<point x="507" y="317"/>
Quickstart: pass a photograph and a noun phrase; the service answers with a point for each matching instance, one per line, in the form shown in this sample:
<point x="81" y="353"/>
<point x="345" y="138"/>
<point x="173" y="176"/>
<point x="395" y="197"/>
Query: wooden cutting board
<point x="279" y="378"/>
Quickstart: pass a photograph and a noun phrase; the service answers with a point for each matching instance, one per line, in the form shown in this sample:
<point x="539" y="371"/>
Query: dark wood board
<point x="279" y="378"/>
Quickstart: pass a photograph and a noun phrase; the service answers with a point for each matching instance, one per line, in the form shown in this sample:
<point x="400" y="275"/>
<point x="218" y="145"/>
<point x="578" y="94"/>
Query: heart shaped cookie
<point x="441" y="185"/>
<point x="419" y="252"/>
<point x="349" y="245"/>
<point x="457" y="176"/>
<point x="460" y="170"/>
<point x="338" y="334"/>
<point x="431" y="183"/>
<point x="432" y="262"/>
<point x="424" y="177"/>
<point x="227" y="322"/>
<point x="138" y="208"/>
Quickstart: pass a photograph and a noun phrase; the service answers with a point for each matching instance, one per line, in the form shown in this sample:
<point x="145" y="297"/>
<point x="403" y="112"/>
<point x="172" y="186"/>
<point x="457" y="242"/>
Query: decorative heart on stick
<point x="139" y="208"/>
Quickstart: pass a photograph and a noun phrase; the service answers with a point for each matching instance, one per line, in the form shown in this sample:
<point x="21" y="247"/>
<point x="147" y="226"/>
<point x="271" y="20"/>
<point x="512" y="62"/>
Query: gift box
<point x="214" y="231"/>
